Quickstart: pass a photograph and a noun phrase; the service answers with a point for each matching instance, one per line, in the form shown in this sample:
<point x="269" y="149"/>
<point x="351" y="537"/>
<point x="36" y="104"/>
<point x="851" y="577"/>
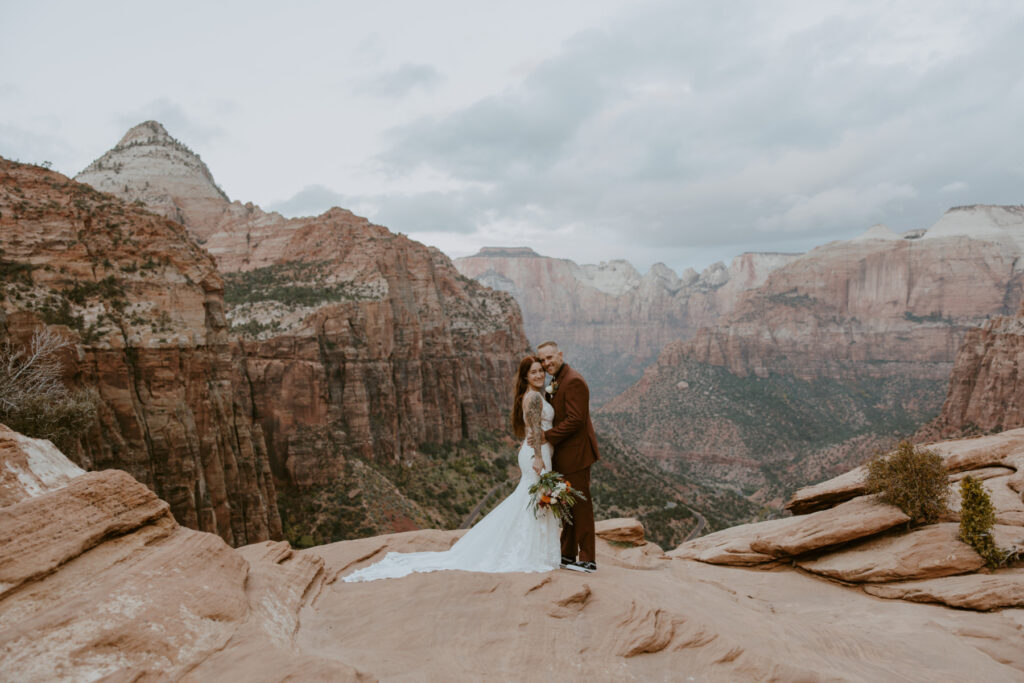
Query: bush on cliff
<point x="913" y="479"/>
<point x="33" y="397"/>
<point x="977" y="517"/>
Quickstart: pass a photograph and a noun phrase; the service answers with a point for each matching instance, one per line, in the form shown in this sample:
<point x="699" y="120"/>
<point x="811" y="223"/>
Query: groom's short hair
<point x="547" y="343"/>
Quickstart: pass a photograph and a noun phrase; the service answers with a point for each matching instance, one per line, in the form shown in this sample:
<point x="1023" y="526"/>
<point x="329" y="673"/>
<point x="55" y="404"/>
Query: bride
<point x="512" y="538"/>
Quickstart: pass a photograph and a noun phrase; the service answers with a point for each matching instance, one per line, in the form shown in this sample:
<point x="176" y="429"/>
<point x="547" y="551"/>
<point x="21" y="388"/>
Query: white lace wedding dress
<point x="510" y="539"/>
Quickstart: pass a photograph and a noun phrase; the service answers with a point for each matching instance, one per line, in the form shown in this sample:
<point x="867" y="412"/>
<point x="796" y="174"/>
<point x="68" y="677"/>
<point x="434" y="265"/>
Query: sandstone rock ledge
<point x="843" y="535"/>
<point x="105" y="585"/>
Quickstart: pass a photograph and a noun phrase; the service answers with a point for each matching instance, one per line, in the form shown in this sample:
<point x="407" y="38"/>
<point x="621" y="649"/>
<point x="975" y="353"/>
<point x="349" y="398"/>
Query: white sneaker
<point x="576" y="567"/>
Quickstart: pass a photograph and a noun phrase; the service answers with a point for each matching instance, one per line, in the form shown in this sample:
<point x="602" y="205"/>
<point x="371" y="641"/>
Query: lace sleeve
<point x="532" y="416"/>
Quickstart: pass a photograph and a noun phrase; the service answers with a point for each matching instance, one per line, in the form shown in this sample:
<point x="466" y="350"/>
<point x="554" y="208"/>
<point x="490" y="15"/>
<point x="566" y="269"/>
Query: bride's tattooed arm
<point x="532" y="415"/>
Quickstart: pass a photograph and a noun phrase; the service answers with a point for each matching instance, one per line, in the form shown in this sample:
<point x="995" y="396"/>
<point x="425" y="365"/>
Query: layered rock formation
<point x="124" y="592"/>
<point x="353" y="341"/>
<point x="986" y="388"/>
<point x="98" y="580"/>
<point x="145" y="305"/>
<point x="877" y="305"/>
<point x="150" y="166"/>
<point x="611" y="320"/>
<point x="842" y="534"/>
<point x="838" y="353"/>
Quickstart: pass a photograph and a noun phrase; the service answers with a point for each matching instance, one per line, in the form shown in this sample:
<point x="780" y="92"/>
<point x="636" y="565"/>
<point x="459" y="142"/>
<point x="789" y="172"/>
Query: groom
<point x="575" y="449"/>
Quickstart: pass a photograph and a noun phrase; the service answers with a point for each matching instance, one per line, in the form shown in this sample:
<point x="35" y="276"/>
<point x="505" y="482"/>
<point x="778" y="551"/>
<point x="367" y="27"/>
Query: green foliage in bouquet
<point x="554" y="492"/>
<point x="977" y="516"/>
<point x="913" y="479"/>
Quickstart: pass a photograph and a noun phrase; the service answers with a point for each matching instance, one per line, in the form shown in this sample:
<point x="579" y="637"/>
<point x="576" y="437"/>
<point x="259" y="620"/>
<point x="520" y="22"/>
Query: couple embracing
<point x="554" y="423"/>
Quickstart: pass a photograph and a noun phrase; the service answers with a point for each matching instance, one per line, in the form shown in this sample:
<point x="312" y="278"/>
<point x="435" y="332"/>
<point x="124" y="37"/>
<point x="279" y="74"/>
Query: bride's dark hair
<point x="518" y="426"/>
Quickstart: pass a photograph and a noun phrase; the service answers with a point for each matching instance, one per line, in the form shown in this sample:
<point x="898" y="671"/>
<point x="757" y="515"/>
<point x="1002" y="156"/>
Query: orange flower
<point x="568" y="486"/>
<point x="545" y="499"/>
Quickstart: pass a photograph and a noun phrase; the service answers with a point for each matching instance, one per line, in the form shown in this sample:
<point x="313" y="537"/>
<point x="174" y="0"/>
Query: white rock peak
<point x="149" y="165"/>
<point x="879" y="231"/>
<point x="981" y="221"/>
<point x="146" y="131"/>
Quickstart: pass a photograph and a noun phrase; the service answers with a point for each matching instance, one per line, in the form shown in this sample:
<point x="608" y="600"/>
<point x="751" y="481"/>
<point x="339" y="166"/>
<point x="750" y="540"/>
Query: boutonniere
<point x="551" y="389"/>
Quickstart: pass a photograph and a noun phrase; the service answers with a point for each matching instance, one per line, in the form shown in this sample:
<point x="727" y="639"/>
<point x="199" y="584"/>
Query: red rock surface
<point x="407" y="352"/>
<point x="351" y="340"/>
<point x="986" y="388"/>
<point x="980" y="592"/>
<point x="426" y="357"/>
<point x="156" y="601"/>
<point x="925" y="553"/>
<point x="853" y="543"/>
<point x="145" y="305"/>
<point x="875" y="306"/>
<point x="839" y="353"/>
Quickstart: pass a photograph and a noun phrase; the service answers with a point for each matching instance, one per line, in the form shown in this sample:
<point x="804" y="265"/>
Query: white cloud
<point x="686" y="125"/>
<point x="955" y="186"/>
<point x="834" y="206"/>
<point x="663" y="130"/>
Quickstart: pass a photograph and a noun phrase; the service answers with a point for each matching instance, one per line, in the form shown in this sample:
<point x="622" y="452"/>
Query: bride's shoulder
<point x="535" y="396"/>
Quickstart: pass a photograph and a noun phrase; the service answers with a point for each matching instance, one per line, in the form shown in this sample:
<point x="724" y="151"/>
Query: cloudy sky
<point x="680" y="132"/>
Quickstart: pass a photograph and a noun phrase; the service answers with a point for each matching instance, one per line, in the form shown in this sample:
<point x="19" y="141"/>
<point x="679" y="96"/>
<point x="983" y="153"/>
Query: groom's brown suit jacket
<point x="572" y="437"/>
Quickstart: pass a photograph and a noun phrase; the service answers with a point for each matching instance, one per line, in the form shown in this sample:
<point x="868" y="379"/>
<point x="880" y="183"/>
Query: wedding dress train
<point x="512" y="538"/>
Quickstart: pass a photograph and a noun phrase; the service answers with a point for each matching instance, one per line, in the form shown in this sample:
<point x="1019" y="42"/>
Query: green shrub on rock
<point x="977" y="518"/>
<point x="913" y="479"/>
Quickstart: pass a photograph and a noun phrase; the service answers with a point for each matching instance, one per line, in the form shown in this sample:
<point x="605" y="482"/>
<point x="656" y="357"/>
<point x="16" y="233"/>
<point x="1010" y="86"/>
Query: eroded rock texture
<point x="986" y="388"/>
<point x="144" y="305"/>
<point x="841" y="534"/>
<point x="127" y="594"/>
<point x="352" y="340"/>
<point x="840" y="352"/>
<point x="610" y="320"/>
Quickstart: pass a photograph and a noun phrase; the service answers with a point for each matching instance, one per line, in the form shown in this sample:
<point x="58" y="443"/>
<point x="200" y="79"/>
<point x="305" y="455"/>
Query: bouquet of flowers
<point x="554" y="492"/>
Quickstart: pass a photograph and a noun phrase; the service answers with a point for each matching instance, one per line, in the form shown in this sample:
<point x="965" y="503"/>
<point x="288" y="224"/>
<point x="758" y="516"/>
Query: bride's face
<point x="535" y="376"/>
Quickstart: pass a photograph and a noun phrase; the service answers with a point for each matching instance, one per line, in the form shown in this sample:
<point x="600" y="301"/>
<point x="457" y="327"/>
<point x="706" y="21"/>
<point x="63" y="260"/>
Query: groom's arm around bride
<point x="574" y="442"/>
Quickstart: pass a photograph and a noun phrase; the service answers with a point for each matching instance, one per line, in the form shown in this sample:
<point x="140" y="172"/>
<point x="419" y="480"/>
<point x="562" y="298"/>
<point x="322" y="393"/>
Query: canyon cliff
<point x="877" y="305"/>
<point x="610" y="320"/>
<point x="986" y="388"/>
<point x="327" y="350"/>
<point x="838" y="353"/>
<point x="145" y="305"/>
<point x="97" y="580"/>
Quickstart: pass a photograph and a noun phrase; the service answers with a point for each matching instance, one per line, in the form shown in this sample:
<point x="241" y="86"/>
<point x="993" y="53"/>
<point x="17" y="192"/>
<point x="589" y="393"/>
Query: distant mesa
<point x="506" y="252"/>
<point x="981" y="221"/>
